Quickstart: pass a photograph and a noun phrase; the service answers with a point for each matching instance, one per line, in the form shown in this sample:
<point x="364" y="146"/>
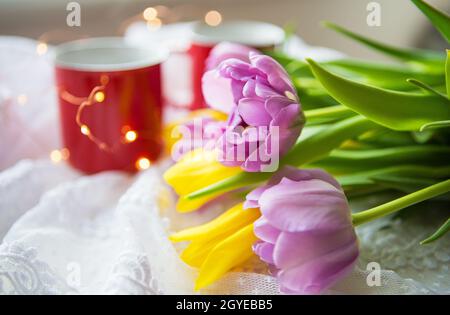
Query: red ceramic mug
<point x="259" y="35"/>
<point x="110" y="103"/>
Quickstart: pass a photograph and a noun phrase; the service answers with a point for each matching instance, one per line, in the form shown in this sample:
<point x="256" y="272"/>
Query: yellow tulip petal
<point x="227" y="223"/>
<point x="188" y="205"/>
<point x="226" y="255"/>
<point x="195" y="170"/>
<point x="195" y="254"/>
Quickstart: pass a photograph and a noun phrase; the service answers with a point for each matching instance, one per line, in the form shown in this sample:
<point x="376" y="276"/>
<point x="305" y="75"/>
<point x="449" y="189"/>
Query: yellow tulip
<point x="219" y="245"/>
<point x="193" y="171"/>
<point x="230" y="253"/>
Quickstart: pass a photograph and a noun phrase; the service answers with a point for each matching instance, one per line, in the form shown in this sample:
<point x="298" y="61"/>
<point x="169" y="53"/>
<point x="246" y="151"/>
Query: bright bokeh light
<point x="142" y="163"/>
<point x="131" y="136"/>
<point x="56" y="156"/>
<point x="85" y="130"/>
<point x="150" y="13"/>
<point x="213" y="18"/>
<point x="99" y="96"/>
<point x="41" y="48"/>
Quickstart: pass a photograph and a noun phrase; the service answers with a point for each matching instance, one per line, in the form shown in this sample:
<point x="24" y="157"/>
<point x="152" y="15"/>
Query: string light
<point x="22" y="99"/>
<point x="131" y="136"/>
<point x="41" y="48"/>
<point x="150" y="13"/>
<point x="58" y="155"/>
<point x="85" y="130"/>
<point x="142" y="163"/>
<point x="213" y="18"/>
<point x="99" y="96"/>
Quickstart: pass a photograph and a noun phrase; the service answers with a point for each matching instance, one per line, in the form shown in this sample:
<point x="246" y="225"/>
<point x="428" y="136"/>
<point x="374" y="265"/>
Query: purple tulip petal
<point x="264" y="251"/>
<point x="253" y="112"/>
<point x="266" y="232"/>
<point x="276" y="103"/>
<point x="276" y="75"/>
<point x="292" y="249"/>
<point x="321" y="273"/>
<point x="217" y="92"/>
<point x="251" y="199"/>
<point x="249" y="89"/>
<point x="307" y="205"/>
<point x="227" y="50"/>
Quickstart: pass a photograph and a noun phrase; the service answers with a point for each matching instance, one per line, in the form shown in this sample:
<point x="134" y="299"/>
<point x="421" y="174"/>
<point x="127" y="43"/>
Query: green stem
<point x="400" y="203"/>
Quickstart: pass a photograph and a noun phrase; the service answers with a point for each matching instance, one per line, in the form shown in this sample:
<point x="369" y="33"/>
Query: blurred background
<point x="401" y="22"/>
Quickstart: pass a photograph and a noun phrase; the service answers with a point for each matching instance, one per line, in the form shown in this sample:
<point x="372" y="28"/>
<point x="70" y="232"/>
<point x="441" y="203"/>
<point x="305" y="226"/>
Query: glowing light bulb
<point x="131" y="136"/>
<point x="85" y="130"/>
<point x="56" y="156"/>
<point x="213" y="18"/>
<point x="99" y="96"/>
<point x="41" y="48"/>
<point x="150" y="13"/>
<point x="22" y="99"/>
<point x="143" y="163"/>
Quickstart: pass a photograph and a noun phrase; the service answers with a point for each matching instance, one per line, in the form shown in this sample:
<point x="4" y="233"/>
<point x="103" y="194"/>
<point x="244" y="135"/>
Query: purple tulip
<point x="265" y="114"/>
<point x="227" y="50"/>
<point x="305" y="231"/>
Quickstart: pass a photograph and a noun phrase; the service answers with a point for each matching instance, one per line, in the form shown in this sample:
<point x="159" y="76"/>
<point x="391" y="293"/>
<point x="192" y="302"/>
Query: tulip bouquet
<point x="298" y="139"/>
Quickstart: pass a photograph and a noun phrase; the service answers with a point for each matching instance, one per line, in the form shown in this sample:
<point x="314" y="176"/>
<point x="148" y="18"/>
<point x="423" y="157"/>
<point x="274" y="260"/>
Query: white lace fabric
<point x="66" y="233"/>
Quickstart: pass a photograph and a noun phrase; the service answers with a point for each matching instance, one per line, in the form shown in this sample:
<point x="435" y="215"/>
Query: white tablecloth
<point x="66" y="233"/>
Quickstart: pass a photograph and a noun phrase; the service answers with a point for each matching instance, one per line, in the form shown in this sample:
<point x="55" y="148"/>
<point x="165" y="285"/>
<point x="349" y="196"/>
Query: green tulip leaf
<point x="436" y="125"/>
<point x="350" y="161"/>
<point x="401" y="183"/>
<point x="438" y="234"/>
<point x="392" y="109"/>
<point x="327" y="114"/>
<point x="384" y="75"/>
<point x="411" y="171"/>
<point x="425" y="87"/>
<point x="429" y="58"/>
<point x="439" y="19"/>
<point x="447" y="73"/>
<point x="387" y="138"/>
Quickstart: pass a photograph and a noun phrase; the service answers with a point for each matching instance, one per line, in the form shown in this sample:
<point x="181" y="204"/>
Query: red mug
<point x="259" y="35"/>
<point x="110" y="103"/>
